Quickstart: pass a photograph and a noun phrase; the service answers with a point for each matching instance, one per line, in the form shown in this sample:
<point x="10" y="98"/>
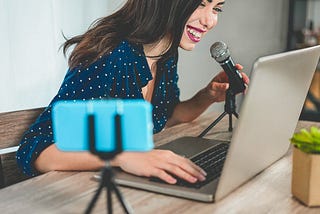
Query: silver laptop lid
<point x="268" y="115"/>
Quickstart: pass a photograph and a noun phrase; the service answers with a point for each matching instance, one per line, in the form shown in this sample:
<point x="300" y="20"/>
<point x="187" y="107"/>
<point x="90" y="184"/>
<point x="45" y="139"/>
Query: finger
<point x="191" y="168"/>
<point x="221" y="77"/>
<point x="239" y="67"/>
<point x="216" y="86"/>
<point x="186" y="169"/>
<point x="180" y="166"/>
<point x="245" y="78"/>
<point x="181" y="173"/>
<point x="160" y="173"/>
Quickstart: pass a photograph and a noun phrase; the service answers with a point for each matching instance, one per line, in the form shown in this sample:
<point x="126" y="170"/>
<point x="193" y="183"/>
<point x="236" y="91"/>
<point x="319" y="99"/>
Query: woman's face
<point x="203" y="19"/>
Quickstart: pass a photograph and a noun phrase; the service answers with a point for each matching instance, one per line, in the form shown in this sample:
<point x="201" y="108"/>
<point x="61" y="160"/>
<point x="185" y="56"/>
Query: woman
<point x="132" y="53"/>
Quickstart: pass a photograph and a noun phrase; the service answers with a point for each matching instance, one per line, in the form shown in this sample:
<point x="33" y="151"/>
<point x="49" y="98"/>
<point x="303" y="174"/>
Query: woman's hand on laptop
<point x="163" y="164"/>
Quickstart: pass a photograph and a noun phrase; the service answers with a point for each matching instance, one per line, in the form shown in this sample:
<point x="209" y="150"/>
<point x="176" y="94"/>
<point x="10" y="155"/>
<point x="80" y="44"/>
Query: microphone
<point x="220" y="52"/>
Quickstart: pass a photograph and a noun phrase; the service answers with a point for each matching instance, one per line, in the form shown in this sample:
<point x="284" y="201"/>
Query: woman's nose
<point x="209" y="20"/>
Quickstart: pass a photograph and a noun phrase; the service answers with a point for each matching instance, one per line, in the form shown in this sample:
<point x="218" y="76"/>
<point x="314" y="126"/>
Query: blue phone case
<point x="70" y="125"/>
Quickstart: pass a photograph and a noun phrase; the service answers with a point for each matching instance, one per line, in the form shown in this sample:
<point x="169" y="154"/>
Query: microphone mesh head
<point x="219" y="51"/>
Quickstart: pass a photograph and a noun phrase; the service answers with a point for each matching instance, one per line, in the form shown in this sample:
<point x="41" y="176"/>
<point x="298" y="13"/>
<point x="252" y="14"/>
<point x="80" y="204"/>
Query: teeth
<point x="194" y="33"/>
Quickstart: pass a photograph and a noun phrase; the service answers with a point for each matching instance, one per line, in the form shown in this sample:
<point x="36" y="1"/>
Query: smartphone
<point x="71" y="131"/>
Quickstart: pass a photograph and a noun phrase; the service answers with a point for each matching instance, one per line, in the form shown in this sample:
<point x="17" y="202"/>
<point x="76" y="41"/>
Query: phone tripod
<point x="107" y="177"/>
<point x="108" y="182"/>
<point x="229" y="109"/>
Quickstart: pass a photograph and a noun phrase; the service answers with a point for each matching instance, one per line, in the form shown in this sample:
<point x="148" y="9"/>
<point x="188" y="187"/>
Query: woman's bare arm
<point x="158" y="163"/>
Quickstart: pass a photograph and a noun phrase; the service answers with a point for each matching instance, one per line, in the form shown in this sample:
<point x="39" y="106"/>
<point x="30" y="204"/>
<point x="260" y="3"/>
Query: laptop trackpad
<point x="189" y="146"/>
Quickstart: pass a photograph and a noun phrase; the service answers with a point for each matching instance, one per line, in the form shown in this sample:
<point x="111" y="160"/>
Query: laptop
<point x="267" y="119"/>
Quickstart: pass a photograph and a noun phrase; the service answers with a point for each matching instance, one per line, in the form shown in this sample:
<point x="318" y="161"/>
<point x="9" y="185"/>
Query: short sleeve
<point x="119" y="74"/>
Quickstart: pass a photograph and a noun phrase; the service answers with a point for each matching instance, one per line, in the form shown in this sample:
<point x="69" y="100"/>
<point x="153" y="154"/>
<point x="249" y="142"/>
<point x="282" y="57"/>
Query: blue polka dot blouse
<point x="120" y="74"/>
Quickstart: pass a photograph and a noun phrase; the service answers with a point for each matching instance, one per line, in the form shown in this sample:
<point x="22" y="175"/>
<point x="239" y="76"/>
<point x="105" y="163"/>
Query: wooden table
<point x="70" y="192"/>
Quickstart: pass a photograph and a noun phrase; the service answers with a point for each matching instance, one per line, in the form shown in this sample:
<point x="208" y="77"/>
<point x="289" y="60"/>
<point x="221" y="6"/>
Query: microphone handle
<point x="235" y="78"/>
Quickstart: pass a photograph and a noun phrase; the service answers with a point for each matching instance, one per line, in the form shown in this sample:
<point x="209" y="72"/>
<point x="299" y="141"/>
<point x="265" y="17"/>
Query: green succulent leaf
<point x="315" y="132"/>
<point x="307" y="141"/>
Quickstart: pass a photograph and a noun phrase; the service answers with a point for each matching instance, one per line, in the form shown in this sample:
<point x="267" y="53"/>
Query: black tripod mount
<point x="229" y="109"/>
<point x="107" y="177"/>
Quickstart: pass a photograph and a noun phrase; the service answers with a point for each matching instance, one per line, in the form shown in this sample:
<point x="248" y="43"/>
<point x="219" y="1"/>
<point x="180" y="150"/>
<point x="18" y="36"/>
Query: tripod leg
<point x="125" y="205"/>
<point x="94" y="199"/>
<point x="230" y="123"/>
<point x="109" y="199"/>
<point x="212" y="124"/>
<point x="109" y="186"/>
<point x="236" y="114"/>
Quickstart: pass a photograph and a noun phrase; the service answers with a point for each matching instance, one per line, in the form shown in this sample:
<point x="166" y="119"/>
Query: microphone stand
<point x="229" y="109"/>
<point x="107" y="177"/>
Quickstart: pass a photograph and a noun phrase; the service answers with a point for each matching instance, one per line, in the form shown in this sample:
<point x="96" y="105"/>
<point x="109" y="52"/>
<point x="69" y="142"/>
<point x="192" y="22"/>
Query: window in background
<point x="304" y="31"/>
<point x="32" y="66"/>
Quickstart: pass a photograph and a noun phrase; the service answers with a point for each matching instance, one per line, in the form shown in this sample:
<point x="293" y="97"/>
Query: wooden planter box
<point x="305" y="184"/>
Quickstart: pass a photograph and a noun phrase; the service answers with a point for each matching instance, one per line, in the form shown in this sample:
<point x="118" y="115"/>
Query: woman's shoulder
<point x="126" y="54"/>
<point x="126" y="48"/>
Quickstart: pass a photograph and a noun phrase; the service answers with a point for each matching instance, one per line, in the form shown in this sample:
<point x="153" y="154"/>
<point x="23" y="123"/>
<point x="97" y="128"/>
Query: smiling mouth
<point x="194" y="33"/>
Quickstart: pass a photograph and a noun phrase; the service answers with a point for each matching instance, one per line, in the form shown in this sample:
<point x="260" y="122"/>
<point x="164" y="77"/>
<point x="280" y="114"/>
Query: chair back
<point x="12" y="127"/>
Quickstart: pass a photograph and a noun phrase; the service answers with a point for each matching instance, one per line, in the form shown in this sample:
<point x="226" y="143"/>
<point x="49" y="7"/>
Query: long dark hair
<point x="139" y="22"/>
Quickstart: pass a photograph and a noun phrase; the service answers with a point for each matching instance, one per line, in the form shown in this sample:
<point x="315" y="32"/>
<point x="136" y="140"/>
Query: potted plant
<point x="305" y="184"/>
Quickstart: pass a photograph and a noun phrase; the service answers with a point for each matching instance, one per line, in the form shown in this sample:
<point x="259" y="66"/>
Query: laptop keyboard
<point x="211" y="161"/>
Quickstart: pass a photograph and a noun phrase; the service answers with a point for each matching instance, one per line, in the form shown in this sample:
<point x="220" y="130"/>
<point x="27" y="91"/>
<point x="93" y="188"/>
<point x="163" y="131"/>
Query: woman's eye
<point x="215" y="9"/>
<point x="218" y="9"/>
